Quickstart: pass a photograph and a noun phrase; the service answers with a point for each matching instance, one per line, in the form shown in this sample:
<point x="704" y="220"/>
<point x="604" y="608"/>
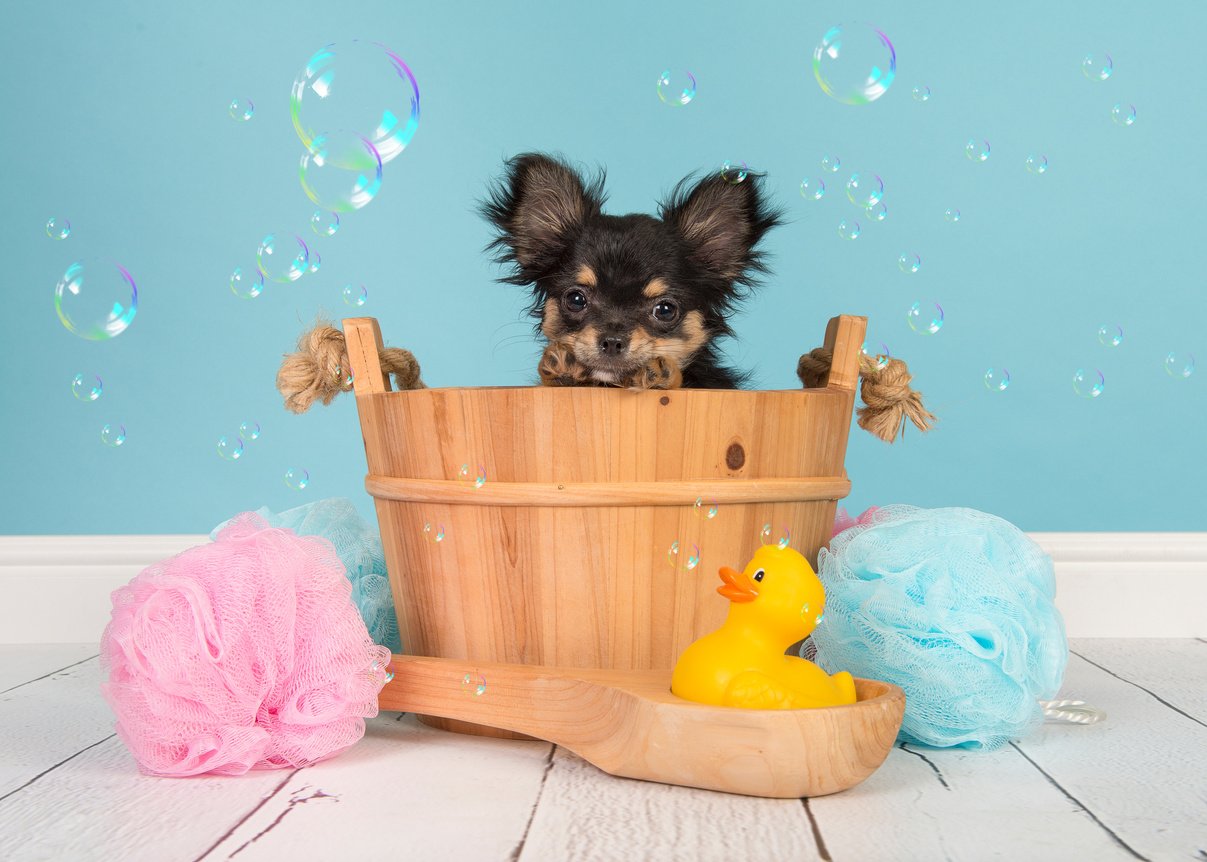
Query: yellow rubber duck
<point x="774" y="603"/>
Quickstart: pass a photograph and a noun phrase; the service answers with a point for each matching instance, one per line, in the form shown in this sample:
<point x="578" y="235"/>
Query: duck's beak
<point x="738" y="587"/>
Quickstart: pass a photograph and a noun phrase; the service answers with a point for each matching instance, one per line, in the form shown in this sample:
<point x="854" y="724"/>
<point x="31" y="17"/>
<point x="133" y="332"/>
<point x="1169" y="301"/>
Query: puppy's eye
<point x="666" y="311"/>
<point x="575" y="300"/>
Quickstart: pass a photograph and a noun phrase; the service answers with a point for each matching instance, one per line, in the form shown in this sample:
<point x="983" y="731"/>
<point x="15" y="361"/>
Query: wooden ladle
<point x="629" y="724"/>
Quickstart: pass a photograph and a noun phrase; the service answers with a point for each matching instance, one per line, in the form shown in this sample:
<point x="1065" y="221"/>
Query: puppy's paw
<point x="558" y="367"/>
<point x="658" y="373"/>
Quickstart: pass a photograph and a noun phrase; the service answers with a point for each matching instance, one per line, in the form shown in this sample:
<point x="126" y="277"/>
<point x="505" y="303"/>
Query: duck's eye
<point x="666" y="311"/>
<point x="575" y="300"/>
<point x="758" y="576"/>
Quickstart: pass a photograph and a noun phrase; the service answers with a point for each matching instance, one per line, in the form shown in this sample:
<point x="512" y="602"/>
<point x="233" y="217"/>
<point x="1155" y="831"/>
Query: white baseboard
<point x="55" y="589"/>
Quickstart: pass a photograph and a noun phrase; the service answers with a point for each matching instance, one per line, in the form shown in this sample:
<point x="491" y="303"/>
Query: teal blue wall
<point x="115" y="117"/>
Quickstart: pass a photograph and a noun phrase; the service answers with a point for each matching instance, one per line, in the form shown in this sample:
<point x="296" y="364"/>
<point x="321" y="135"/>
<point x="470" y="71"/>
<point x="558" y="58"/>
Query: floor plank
<point x="405" y="791"/>
<point x="585" y="814"/>
<point x="1174" y="671"/>
<point x="21" y="664"/>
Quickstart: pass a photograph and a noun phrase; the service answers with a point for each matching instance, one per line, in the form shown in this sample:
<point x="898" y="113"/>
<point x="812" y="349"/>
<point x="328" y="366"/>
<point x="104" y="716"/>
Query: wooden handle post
<point x="362" y="336"/>
<point x="844" y="339"/>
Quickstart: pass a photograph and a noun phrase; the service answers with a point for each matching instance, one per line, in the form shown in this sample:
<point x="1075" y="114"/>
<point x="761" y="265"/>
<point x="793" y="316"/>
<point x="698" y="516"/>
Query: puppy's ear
<point x="539" y="207"/>
<point x="722" y="223"/>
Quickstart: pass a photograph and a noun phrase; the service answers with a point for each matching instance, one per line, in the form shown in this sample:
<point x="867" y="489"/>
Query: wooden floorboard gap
<point x="1151" y="694"/>
<point x="263" y="801"/>
<point x="52" y="673"/>
<point x="519" y="848"/>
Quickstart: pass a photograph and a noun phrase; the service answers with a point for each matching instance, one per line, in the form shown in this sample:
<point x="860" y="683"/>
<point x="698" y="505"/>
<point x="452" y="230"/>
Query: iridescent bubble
<point x="477" y="479"/>
<point x="316" y="261"/>
<point x="1097" y="67"/>
<point x="473" y="684"/>
<point x="831" y="164"/>
<point x="1037" y="163"/>
<point x="282" y="257"/>
<point x="849" y="229"/>
<point x="249" y="430"/>
<point x="817" y="620"/>
<point x="96" y="299"/>
<point x="705" y="510"/>
<point x="86" y="387"/>
<point x="977" y="151"/>
<point x="1123" y="115"/>
<point x="433" y="533"/>
<point x="909" y="262"/>
<point x="812" y="189"/>
<point x="247" y="284"/>
<point x="865" y="190"/>
<point x="113" y="435"/>
<point x="855" y="63"/>
<point x="877" y="213"/>
<point x="341" y="171"/>
<point x="997" y="381"/>
<point x="925" y="319"/>
<point x="781" y="543"/>
<point x="297" y="478"/>
<point x="676" y="89"/>
<point x="1088" y="384"/>
<point x="734" y="172"/>
<point x="242" y="109"/>
<point x="690" y="560"/>
<point x="58" y="228"/>
<point x="230" y="448"/>
<point x="952" y="215"/>
<point x="355" y="294"/>
<point x="1179" y="365"/>
<point x="1110" y="336"/>
<point x="324" y="223"/>
<point x="881" y="358"/>
<point x="921" y="94"/>
<point x="362" y="87"/>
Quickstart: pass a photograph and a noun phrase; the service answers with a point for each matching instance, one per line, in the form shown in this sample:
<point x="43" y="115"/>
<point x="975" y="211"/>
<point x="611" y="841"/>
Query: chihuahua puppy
<point x="632" y="300"/>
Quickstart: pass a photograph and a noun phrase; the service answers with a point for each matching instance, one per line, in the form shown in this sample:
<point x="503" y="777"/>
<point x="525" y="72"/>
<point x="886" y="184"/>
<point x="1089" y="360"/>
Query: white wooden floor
<point x="1132" y="787"/>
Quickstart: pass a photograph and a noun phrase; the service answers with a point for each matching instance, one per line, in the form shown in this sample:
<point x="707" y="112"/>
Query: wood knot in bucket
<point x="735" y="456"/>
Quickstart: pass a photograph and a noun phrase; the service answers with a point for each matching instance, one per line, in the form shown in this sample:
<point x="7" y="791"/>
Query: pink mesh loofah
<point x="246" y="653"/>
<point x="844" y="521"/>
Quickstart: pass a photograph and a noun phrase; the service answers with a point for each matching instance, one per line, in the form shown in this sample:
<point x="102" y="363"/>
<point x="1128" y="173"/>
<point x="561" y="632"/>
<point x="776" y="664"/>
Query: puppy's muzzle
<point x="613" y="346"/>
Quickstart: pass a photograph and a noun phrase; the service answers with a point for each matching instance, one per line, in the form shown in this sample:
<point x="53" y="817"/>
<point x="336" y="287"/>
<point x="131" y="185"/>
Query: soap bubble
<point x="925" y="319"/>
<point x="921" y="94"/>
<point x="849" y="229"/>
<point x="831" y="164"/>
<point x="476" y="479"/>
<point x="678" y="89"/>
<point x="781" y="543"/>
<point x="362" y="87"/>
<point x="242" y="109"/>
<point x="324" y="223"/>
<point x="997" y="381"/>
<point x="1123" y="115"/>
<point x="881" y="358"/>
<point x="1097" y="67"/>
<point x="909" y="262"/>
<point x="316" y="261"/>
<point x="1110" y="336"/>
<point x="879" y="212"/>
<point x="1088" y="384"/>
<point x="734" y="172"/>
<point x="1037" y="163"/>
<point x="705" y="510"/>
<point x="1179" y="365"/>
<point x="689" y="562"/>
<point x="855" y="63"/>
<point x="474" y="684"/>
<point x="952" y="215"/>
<point x="86" y="387"/>
<point x="58" y="228"/>
<point x="282" y="257"/>
<point x="977" y="151"/>
<point x="297" y="478"/>
<point x="230" y="448"/>
<point x="96" y="299"/>
<point x="249" y="430"/>
<point x="812" y="189"/>
<point x="247" y="284"/>
<point x="865" y="190"/>
<point x="113" y="435"/>
<point x="341" y="171"/>
<point x="433" y="534"/>
<point x="355" y="295"/>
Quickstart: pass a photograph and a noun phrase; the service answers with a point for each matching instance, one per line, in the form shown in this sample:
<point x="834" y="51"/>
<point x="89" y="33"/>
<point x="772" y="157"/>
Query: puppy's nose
<point x="613" y="345"/>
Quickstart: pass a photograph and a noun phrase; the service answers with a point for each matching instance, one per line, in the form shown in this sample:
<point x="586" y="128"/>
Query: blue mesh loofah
<point x="953" y="605"/>
<point x="359" y="548"/>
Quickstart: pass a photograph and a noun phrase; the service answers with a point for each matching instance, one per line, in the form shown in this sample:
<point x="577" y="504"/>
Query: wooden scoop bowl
<point x="629" y="724"/>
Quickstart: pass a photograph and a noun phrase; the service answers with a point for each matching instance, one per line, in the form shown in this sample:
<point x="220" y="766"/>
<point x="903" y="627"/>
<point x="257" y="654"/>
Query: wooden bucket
<point x="566" y="553"/>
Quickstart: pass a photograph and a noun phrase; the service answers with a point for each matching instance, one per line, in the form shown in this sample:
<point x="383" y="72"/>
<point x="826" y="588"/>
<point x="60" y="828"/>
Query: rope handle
<point x="888" y="398"/>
